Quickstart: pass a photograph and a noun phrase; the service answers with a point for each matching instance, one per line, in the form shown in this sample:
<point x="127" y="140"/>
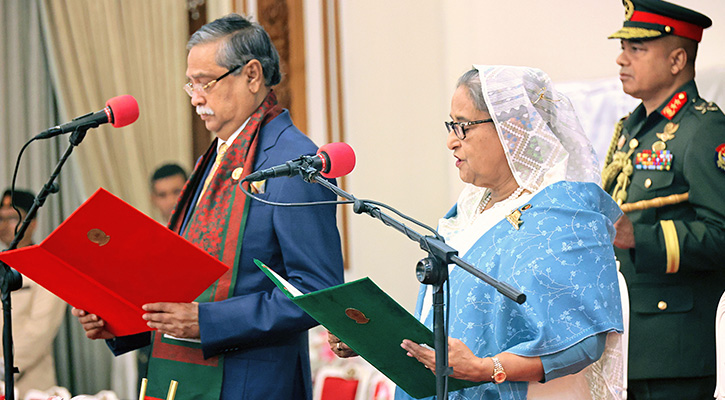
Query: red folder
<point x="109" y="259"/>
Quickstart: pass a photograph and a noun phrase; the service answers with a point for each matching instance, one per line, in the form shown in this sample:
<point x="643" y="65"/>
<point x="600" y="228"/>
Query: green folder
<point x="373" y="324"/>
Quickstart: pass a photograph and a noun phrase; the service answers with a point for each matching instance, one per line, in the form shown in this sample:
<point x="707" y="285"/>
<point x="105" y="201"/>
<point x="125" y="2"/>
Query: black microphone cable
<point x="335" y="202"/>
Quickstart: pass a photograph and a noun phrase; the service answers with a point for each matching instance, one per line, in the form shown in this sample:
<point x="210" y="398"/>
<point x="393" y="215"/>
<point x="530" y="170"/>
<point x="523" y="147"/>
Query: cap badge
<point x="628" y="9"/>
<point x="720" y="157"/>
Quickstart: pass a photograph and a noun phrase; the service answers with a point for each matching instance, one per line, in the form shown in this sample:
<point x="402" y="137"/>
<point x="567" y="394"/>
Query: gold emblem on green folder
<point x="356" y="315"/>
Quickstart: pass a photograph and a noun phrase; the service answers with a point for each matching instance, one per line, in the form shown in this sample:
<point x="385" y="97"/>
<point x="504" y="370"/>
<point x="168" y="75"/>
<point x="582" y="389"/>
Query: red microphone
<point x="119" y="111"/>
<point x="332" y="160"/>
<point x="338" y="159"/>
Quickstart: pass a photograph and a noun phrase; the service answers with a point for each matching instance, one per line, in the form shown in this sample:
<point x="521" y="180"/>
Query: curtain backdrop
<point x="100" y="49"/>
<point x="27" y="107"/>
<point x="106" y="48"/>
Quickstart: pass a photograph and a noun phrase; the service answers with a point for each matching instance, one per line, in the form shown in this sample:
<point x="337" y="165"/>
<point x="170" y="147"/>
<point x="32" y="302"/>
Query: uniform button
<point x="662" y="305"/>
<point x="647" y="183"/>
<point x="633" y="143"/>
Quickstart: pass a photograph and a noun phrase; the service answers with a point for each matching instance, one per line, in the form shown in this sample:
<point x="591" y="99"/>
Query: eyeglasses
<point x="459" y="128"/>
<point x="200" y="89"/>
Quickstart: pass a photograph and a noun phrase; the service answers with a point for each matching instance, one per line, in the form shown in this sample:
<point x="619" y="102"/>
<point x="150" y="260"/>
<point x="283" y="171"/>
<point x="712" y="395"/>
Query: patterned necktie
<point x="220" y="154"/>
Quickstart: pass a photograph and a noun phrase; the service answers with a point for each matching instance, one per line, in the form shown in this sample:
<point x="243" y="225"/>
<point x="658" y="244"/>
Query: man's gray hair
<point x="471" y="80"/>
<point x="244" y="41"/>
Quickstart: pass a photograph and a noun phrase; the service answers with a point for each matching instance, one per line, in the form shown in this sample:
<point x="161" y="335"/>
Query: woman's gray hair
<point x="244" y="41"/>
<point x="471" y="80"/>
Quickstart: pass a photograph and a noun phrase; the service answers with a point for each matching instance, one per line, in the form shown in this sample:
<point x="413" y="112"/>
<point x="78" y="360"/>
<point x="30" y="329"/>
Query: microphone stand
<point x="432" y="270"/>
<point x="11" y="280"/>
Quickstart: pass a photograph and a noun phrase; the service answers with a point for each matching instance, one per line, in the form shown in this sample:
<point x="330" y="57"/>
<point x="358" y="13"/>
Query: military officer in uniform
<point x="666" y="168"/>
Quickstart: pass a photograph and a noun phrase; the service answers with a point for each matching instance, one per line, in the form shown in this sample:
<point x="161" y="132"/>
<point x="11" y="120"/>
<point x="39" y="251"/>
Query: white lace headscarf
<point x="538" y="127"/>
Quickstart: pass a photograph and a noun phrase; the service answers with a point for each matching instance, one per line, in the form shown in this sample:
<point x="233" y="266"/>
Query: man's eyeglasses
<point x="200" y="89"/>
<point x="459" y="128"/>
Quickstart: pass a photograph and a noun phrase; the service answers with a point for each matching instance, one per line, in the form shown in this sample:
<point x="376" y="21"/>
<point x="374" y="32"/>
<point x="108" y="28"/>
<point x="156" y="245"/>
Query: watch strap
<point x="499" y="374"/>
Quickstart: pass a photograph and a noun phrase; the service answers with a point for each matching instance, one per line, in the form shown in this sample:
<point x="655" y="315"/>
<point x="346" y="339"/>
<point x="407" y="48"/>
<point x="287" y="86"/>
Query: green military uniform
<point x="676" y="272"/>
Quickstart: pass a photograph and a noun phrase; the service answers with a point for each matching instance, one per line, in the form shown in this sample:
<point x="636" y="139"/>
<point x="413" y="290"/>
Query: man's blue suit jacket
<point x="262" y="334"/>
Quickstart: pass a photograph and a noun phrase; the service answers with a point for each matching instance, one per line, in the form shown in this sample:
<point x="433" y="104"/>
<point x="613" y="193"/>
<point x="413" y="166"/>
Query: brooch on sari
<point x="515" y="217"/>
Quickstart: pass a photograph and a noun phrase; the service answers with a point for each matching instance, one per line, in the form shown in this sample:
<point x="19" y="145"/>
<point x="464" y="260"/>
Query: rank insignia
<point x="705" y="107"/>
<point x="720" y="157"/>
<point x="659" y="160"/>
<point x="674" y="106"/>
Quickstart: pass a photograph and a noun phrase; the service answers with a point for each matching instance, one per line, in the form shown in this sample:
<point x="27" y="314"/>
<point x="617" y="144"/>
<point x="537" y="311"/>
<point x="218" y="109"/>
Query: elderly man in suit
<point x="242" y="338"/>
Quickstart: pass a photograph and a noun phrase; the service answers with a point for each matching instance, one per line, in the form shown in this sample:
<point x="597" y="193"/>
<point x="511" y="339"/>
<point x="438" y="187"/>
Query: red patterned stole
<point x="217" y="226"/>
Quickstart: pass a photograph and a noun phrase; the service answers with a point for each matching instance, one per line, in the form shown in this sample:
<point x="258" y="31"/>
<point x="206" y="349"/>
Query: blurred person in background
<point x="37" y="313"/>
<point x="166" y="184"/>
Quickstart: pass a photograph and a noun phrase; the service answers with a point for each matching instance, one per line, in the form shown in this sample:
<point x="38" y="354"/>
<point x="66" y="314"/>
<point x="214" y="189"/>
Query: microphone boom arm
<point x="11" y="280"/>
<point x="438" y="248"/>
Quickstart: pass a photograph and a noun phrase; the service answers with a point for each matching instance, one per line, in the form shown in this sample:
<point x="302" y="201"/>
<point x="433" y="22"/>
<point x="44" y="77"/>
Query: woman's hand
<point x="464" y="363"/>
<point x="338" y="347"/>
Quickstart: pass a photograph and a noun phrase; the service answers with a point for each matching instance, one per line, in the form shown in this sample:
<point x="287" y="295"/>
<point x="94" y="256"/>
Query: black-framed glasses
<point x="200" y="89"/>
<point x="459" y="128"/>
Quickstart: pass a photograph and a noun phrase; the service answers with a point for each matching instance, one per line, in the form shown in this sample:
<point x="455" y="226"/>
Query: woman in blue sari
<point x="532" y="215"/>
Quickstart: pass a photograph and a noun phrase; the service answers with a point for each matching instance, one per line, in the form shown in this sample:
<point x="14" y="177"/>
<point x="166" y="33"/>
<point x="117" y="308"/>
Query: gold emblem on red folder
<point x="98" y="237"/>
<point x="357" y="316"/>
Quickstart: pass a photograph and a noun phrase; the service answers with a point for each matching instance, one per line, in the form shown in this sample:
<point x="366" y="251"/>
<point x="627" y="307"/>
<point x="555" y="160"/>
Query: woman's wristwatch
<point x="499" y="375"/>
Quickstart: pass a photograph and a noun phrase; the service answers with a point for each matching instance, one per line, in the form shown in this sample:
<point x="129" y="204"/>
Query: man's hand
<point x="176" y="319"/>
<point x="625" y="233"/>
<point x="338" y="347"/>
<point x="94" y="326"/>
